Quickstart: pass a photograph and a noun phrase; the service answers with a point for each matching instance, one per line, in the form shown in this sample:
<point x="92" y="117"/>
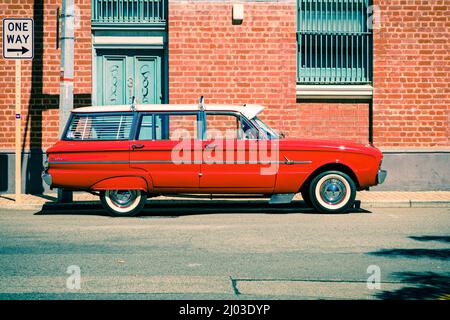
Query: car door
<point x="165" y="147"/>
<point x="232" y="161"/>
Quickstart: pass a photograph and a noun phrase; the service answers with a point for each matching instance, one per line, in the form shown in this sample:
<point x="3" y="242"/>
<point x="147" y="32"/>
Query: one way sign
<point x="18" y="38"/>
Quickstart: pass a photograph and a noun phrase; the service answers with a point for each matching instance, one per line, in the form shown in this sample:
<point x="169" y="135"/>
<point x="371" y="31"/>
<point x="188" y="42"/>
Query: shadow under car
<point x="177" y="208"/>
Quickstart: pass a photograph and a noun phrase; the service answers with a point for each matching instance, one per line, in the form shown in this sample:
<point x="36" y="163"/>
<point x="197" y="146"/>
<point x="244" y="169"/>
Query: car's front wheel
<point x="332" y="192"/>
<point x="123" y="203"/>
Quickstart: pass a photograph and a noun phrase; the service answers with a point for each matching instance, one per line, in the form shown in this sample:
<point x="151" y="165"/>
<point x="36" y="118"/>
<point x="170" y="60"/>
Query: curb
<point x="405" y="204"/>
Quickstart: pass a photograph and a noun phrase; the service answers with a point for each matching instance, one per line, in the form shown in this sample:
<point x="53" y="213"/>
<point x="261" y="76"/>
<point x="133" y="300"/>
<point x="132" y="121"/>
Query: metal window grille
<point x="128" y="11"/>
<point x="334" y="42"/>
<point x="100" y="127"/>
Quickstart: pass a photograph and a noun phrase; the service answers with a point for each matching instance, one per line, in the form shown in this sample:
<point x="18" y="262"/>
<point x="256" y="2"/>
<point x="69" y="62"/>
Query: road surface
<point x="224" y="250"/>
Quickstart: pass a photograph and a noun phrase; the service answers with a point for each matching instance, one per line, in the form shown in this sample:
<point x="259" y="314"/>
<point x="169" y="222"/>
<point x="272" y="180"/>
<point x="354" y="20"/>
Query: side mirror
<point x="282" y="134"/>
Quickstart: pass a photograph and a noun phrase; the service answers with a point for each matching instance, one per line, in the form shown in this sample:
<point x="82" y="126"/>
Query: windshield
<point x="270" y="133"/>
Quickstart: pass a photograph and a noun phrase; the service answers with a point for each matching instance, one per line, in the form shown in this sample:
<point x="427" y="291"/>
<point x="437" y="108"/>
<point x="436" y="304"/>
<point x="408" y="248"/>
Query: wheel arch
<point x="336" y="166"/>
<point x="123" y="182"/>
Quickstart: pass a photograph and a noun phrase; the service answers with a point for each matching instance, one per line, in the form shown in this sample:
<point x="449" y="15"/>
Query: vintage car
<point x="126" y="154"/>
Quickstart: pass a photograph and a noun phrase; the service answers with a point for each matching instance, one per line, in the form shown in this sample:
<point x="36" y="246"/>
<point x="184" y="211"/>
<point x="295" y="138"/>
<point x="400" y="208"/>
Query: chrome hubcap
<point x="123" y="198"/>
<point x="333" y="191"/>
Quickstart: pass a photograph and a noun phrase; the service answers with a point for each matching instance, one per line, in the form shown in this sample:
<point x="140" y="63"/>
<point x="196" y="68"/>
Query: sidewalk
<point x="369" y="199"/>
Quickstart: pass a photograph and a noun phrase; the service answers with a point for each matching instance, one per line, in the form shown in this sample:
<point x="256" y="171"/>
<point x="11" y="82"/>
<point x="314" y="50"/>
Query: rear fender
<point x="122" y="183"/>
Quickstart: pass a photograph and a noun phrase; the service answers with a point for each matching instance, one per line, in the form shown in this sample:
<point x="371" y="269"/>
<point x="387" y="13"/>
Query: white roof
<point x="249" y="110"/>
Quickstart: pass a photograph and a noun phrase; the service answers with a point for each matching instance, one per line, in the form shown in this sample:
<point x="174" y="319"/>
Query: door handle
<point x="210" y="146"/>
<point x="137" y="146"/>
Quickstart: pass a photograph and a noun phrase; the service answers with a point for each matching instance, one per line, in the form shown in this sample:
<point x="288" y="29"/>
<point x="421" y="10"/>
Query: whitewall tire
<point x="123" y="203"/>
<point x="332" y="192"/>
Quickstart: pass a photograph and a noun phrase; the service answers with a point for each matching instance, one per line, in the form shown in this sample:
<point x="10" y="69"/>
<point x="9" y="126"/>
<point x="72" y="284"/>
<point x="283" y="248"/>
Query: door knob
<point x="137" y="146"/>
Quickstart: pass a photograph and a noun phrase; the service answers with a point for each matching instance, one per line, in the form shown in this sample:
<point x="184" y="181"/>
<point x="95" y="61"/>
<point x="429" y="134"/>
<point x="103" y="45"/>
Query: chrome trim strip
<point x="88" y="162"/>
<point x="298" y="162"/>
<point x="172" y="162"/>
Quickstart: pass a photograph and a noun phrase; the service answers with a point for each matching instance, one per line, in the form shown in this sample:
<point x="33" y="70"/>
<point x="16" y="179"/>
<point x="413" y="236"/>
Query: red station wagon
<point x="126" y="154"/>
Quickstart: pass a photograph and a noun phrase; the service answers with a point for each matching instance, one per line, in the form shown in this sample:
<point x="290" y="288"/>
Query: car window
<point x="168" y="127"/>
<point x="228" y="126"/>
<point x="99" y="127"/>
<point x="151" y="128"/>
<point x="270" y="133"/>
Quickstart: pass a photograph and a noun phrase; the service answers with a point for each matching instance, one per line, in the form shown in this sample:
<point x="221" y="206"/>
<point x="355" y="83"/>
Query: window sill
<point x="363" y="91"/>
<point x="127" y="41"/>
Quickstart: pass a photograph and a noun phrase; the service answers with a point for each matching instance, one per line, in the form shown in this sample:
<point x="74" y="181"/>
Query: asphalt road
<point x="225" y="250"/>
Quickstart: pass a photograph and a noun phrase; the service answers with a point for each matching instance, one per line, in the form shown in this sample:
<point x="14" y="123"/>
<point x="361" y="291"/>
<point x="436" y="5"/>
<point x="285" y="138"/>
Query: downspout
<point x="66" y="76"/>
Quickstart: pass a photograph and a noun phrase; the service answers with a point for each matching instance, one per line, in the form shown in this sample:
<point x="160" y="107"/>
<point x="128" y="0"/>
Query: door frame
<point x="235" y="166"/>
<point x="158" y="43"/>
<point x="158" y="168"/>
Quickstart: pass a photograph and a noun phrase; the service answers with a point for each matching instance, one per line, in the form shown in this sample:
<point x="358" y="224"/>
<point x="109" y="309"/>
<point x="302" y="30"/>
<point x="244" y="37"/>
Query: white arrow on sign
<point x="18" y="38"/>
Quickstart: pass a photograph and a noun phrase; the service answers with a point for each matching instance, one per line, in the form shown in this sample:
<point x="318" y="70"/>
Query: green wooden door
<point x="122" y="74"/>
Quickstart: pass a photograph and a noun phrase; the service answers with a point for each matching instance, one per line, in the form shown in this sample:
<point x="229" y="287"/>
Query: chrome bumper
<point x="381" y="176"/>
<point x="47" y="178"/>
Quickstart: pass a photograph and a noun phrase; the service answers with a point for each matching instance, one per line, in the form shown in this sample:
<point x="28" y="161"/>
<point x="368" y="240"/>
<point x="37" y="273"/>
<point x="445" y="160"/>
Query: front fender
<point x="122" y="183"/>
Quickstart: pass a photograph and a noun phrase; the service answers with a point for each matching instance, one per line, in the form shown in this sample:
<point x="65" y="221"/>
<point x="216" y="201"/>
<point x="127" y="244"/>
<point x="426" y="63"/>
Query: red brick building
<point x="319" y="68"/>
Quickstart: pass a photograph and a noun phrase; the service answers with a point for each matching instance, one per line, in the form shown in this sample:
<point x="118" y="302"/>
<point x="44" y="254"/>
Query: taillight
<point x="45" y="161"/>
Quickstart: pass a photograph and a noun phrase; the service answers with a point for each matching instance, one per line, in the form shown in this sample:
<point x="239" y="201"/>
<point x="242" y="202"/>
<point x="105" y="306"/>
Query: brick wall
<point x="412" y="74"/>
<point x="40" y="77"/>
<point x="411" y="103"/>
<point x="254" y="62"/>
<point x="333" y="120"/>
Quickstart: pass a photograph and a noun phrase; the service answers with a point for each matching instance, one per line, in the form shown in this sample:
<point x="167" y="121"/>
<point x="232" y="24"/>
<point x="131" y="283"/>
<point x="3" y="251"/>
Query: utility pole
<point x="66" y="75"/>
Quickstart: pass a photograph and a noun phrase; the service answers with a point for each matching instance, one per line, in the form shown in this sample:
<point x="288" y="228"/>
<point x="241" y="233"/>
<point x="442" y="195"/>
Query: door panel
<point x="173" y="163"/>
<point x="114" y="75"/>
<point x="234" y="164"/>
<point x="146" y="80"/>
<point x="232" y="157"/>
<point x="155" y="157"/>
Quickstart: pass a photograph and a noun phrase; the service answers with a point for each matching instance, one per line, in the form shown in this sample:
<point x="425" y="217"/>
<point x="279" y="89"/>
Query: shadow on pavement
<point x="423" y="286"/>
<point x="419" y="285"/>
<point x="431" y="238"/>
<point x="178" y="208"/>
<point x="443" y="254"/>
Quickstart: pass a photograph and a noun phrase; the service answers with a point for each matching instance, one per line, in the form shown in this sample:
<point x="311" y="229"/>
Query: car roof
<point x="248" y="110"/>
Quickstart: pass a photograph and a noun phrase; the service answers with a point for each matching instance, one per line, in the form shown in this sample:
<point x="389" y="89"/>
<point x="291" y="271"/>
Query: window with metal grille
<point x="100" y="127"/>
<point x="334" y="42"/>
<point x="128" y="11"/>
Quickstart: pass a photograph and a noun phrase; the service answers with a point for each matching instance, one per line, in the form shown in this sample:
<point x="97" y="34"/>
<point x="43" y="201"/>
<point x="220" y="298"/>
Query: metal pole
<point x="66" y="76"/>
<point x="18" y="164"/>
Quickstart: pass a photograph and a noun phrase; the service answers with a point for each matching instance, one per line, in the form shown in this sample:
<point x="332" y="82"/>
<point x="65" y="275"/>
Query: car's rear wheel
<point x="123" y="203"/>
<point x="332" y="192"/>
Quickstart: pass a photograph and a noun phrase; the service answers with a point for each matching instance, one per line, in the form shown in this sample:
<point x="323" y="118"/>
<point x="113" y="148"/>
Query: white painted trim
<point x="364" y="91"/>
<point x="249" y="110"/>
<point x="121" y="40"/>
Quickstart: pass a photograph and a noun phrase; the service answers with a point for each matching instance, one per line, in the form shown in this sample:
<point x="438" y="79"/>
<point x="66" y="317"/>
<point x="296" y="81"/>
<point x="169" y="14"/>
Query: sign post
<point x="18" y="44"/>
<point x="18" y="166"/>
